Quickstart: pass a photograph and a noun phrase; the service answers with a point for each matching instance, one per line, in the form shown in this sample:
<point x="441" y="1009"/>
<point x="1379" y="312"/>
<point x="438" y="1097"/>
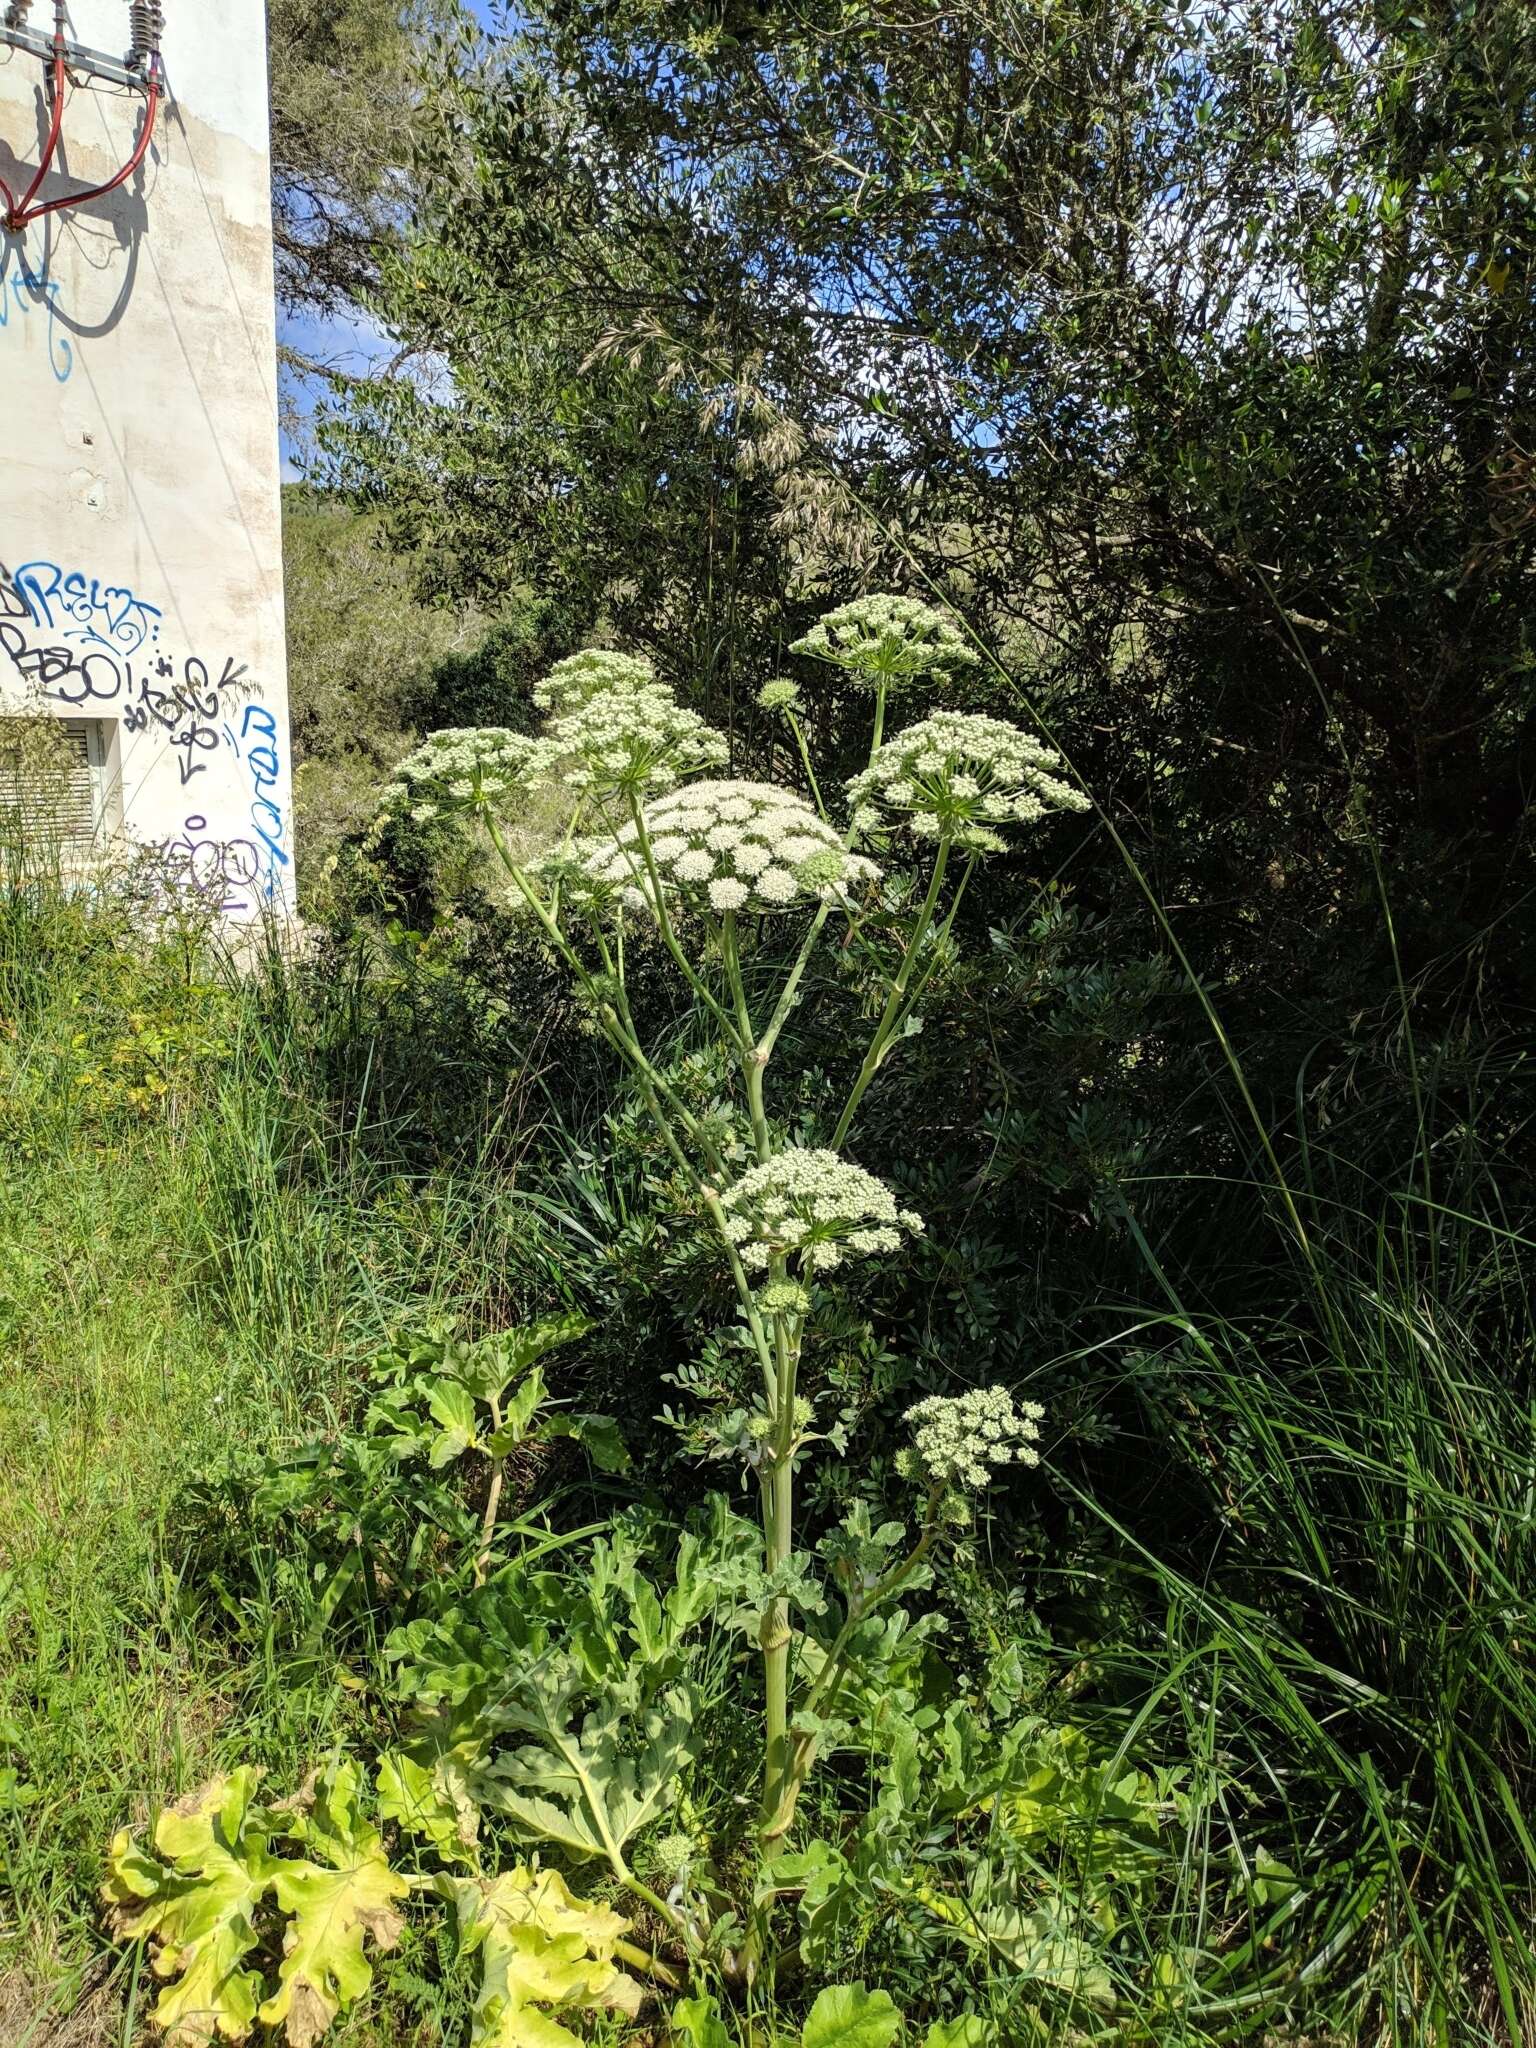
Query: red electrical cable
<point x="17" y="215"/>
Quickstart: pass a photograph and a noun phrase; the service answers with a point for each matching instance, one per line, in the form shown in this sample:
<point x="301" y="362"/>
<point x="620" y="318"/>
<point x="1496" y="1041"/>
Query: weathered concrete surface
<point x="139" y="515"/>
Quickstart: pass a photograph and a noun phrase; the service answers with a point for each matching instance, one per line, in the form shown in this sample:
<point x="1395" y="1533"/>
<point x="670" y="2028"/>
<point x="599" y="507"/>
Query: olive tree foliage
<point x="1190" y="349"/>
<point x="344" y="99"/>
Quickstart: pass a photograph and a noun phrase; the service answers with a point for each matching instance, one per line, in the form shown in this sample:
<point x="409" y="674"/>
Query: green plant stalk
<point x="877" y="730"/>
<point x="753" y="1059"/>
<point x="651" y="1966"/>
<point x="777" y="1483"/>
<point x="786" y="1764"/>
<point x="805" y="759"/>
<point x="492" y="1499"/>
<point x="776" y="1477"/>
<point x="891" y="1016"/>
<point x="821" y="1697"/>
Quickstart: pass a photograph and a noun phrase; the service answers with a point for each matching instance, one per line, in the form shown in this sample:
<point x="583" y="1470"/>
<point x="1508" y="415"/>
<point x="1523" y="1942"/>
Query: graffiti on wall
<point x="96" y="650"/>
<point x="27" y="296"/>
<point x="258" y="745"/>
<point x="84" y="609"/>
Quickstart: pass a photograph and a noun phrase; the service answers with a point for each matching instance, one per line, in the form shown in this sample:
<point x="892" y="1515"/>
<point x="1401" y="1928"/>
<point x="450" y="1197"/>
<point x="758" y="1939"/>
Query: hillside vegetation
<point x="843" y="1355"/>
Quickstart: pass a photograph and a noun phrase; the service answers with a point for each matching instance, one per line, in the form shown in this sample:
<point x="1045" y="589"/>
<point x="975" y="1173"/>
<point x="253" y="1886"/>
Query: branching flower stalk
<point x="726" y="858"/>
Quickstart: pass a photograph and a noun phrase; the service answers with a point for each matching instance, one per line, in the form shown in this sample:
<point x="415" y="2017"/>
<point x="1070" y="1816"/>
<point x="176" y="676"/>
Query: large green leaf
<point x="598" y="1436"/>
<point x="965" y="2031"/>
<point x="848" y="2016"/>
<point x="453" y="1410"/>
<point x="1036" y="1946"/>
<point x="349" y="1893"/>
<point x="588" y="1790"/>
<point x="493" y="1363"/>
<point x="196" y="1901"/>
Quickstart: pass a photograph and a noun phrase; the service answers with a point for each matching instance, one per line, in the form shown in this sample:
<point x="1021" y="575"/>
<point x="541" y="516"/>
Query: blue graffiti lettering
<point x="265" y="768"/>
<point x="29" y="290"/>
<point x="83" y="608"/>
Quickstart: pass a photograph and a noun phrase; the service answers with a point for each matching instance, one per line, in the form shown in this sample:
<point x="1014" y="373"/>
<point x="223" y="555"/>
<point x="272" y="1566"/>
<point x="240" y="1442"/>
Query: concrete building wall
<point x="140" y="545"/>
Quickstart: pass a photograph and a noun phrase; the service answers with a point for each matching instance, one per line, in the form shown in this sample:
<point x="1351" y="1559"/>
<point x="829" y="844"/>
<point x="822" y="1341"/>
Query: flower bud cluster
<point x="960" y="773"/>
<point x="885" y="639"/>
<point x="957" y="1439"/>
<point x="452" y="772"/>
<point x="587" y="674"/>
<point x="779" y="694"/>
<point x="728" y="846"/>
<point x="815" y="1206"/>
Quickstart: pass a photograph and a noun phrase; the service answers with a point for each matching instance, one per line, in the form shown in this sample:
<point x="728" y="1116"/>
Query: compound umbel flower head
<point x="886" y="640"/>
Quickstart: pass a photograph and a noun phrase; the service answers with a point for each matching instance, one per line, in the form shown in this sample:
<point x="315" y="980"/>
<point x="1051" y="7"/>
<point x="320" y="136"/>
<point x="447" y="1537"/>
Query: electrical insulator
<point x="16" y="13"/>
<point x="147" y="21"/>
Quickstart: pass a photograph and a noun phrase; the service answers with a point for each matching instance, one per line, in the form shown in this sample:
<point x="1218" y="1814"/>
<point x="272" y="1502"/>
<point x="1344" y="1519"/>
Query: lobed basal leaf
<point x="540" y="1947"/>
<point x="196" y="1900"/>
<point x="334" y="1903"/>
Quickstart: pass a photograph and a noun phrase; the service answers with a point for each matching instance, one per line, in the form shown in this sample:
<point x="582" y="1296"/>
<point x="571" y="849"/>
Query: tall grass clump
<point x="1339" y="1571"/>
<point x="206" y="1218"/>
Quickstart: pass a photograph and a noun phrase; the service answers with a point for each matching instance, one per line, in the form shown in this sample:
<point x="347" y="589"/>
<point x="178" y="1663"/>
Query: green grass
<point x="186" y="1269"/>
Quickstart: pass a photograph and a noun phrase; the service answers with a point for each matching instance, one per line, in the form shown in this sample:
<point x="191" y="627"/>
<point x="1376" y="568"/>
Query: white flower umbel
<point x="628" y="742"/>
<point x="957" y="1439"/>
<point x="815" y="1206"/>
<point x="588" y="674"/>
<point x="455" y="771"/>
<point x="889" y="640"/>
<point x="961" y="774"/>
<point x="732" y="846"/>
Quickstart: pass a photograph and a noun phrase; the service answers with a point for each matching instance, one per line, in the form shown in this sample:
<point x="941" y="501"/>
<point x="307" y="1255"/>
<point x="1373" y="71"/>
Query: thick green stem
<point x="775" y="1635"/>
<point x="650" y="1966"/>
<point x="658" y="1906"/>
<point x="753" y="1057"/>
<point x="778" y="1492"/>
<point x="788" y="992"/>
<point x="821" y="1698"/>
<point x="941" y="935"/>
<point x="877" y="732"/>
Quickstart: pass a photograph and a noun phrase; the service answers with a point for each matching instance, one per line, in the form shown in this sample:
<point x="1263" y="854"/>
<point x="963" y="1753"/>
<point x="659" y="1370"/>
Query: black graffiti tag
<point x="186" y="711"/>
<point x="62" y="672"/>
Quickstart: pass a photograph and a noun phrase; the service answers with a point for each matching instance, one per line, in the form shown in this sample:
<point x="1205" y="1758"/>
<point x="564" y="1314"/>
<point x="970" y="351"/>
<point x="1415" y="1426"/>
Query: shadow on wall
<point x="99" y="225"/>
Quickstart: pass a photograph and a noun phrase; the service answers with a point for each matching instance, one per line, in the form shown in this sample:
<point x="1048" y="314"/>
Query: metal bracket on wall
<point x="81" y="62"/>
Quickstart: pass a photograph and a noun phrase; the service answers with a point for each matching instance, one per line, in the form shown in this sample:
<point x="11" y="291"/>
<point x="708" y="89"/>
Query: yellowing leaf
<point x="334" y="1904"/>
<point x="196" y="1902"/>
<point x="541" y="1946"/>
<point x="423" y="1803"/>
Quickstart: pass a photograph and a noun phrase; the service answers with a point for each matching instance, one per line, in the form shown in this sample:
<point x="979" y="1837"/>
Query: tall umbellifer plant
<point x="716" y="869"/>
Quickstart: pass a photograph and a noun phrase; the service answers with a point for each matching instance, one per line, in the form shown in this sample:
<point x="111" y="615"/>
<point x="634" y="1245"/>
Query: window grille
<point x="54" y="781"/>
